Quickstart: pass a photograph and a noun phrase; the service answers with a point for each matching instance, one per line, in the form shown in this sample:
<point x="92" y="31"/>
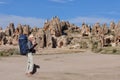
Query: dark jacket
<point x="31" y="47"/>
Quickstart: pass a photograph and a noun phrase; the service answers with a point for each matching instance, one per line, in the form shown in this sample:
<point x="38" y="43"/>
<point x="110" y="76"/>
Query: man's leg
<point x="31" y="65"/>
<point x="28" y="64"/>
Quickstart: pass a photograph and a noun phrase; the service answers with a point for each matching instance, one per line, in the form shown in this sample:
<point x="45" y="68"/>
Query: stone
<point x="85" y="31"/>
<point x="62" y="41"/>
<point x="49" y="42"/>
<point x="26" y="29"/>
<point x="11" y="28"/>
<point x="96" y="30"/>
<point x="53" y="26"/>
<point x="7" y="31"/>
<point x="104" y="29"/>
<point x="112" y="26"/>
<point x="19" y="29"/>
<point x="40" y="38"/>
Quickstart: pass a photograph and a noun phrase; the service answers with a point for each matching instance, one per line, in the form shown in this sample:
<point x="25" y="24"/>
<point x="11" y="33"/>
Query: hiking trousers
<point x="30" y="64"/>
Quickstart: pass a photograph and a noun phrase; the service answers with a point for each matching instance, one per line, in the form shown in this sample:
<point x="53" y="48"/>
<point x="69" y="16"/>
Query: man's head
<point x="31" y="37"/>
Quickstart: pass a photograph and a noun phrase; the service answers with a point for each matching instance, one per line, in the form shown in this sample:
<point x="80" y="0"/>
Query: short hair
<point x="30" y="36"/>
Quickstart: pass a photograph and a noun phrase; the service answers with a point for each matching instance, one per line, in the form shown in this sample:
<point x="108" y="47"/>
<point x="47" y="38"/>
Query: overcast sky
<point x="35" y="12"/>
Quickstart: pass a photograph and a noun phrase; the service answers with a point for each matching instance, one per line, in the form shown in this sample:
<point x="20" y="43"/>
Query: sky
<point x="35" y="12"/>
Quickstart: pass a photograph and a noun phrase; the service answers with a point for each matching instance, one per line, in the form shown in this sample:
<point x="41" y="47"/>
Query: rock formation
<point x="62" y="34"/>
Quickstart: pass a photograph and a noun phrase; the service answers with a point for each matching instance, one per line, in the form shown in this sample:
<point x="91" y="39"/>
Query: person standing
<point x="31" y="45"/>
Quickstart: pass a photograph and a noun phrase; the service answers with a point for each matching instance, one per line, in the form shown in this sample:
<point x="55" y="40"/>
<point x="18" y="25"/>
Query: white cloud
<point x="61" y="1"/>
<point x="90" y="20"/>
<point x="2" y="3"/>
<point x="113" y="13"/>
<point x="109" y="13"/>
<point x="6" y="19"/>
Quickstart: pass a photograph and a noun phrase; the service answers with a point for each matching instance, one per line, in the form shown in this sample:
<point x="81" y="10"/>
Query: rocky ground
<point x="74" y="66"/>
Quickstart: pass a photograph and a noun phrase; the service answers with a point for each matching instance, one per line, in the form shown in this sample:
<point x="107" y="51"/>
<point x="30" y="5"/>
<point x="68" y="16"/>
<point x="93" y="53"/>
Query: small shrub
<point x="114" y="50"/>
<point x="83" y="45"/>
<point x="94" y="45"/>
<point x="97" y="50"/>
<point x="111" y="50"/>
<point x="9" y="52"/>
<point x="3" y="53"/>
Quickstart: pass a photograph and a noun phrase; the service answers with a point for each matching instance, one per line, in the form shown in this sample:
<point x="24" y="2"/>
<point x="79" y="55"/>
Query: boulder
<point x="96" y="30"/>
<point x="7" y="31"/>
<point x="26" y="29"/>
<point x="104" y="29"/>
<point x="85" y="30"/>
<point x="19" y="29"/>
<point x="40" y="38"/>
<point x="11" y="28"/>
<point x="62" y="41"/>
<point x="49" y="42"/>
<point x="112" y="26"/>
<point x="54" y="27"/>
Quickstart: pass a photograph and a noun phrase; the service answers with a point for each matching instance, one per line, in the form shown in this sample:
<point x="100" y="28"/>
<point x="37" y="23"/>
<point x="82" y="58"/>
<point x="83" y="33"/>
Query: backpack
<point x="23" y="44"/>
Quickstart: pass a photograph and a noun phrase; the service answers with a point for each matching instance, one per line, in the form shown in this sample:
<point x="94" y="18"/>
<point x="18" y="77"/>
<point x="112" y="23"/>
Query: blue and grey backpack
<point x="23" y="40"/>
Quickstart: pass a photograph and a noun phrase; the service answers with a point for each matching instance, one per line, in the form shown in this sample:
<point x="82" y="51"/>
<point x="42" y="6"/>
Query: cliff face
<point x="62" y="34"/>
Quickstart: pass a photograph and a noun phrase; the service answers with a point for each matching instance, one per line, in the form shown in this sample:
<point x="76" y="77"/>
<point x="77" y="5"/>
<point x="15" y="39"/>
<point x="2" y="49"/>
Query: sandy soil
<point x="76" y="66"/>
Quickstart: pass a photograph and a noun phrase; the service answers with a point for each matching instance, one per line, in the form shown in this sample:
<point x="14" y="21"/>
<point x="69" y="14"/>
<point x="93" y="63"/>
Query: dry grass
<point x="111" y="50"/>
<point x="9" y="52"/>
<point x="59" y="51"/>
